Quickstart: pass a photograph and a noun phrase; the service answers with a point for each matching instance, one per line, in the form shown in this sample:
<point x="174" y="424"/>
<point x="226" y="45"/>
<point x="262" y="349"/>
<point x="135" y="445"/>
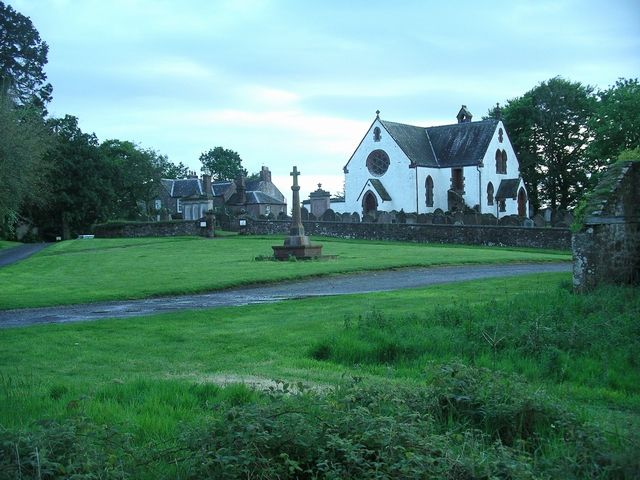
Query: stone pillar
<point x="320" y="201"/>
<point x="296" y="233"/>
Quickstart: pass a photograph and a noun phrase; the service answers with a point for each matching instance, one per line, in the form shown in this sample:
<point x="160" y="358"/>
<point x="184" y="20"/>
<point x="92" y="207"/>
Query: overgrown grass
<point x="422" y="388"/>
<point x="80" y="271"/>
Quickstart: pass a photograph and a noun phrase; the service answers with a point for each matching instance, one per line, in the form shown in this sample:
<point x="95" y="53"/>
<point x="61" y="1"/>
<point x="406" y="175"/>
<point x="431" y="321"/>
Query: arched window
<point x="504" y="162"/>
<point x="490" y="194"/>
<point x="376" y="134"/>
<point x="500" y="134"/>
<point x="428" y="186"/>
<point x="498" y="162"/>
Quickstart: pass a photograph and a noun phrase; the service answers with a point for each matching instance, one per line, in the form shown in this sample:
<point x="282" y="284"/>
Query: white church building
<point x="418" y="170"/>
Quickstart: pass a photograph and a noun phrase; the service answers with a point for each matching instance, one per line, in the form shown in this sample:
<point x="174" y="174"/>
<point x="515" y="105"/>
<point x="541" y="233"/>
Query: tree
<point x="136" y="176"/>
<point x="171" y="170"/>
<point x="550" y="128"/>
<point x="616" y="123"/>
<point x="23" y="56"/>
<point x="23" y="141"/>
<point x="222" y="164"/>
<point x="80" y="180"/>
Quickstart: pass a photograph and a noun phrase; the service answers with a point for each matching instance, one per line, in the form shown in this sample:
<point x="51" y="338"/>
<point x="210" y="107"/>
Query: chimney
<point x="206" y="184"/>
<point x="265" y="174"/>
<point x="241" y="190"/>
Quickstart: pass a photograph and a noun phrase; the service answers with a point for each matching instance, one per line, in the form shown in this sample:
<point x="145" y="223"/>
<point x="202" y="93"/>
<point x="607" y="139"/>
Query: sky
<point x="288" y="83"/>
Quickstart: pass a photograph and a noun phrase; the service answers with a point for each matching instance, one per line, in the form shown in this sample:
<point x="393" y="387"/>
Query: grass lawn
<point x="80" y="271"/>
<point x="157" y="377"/>
<point x="7" y="244"/>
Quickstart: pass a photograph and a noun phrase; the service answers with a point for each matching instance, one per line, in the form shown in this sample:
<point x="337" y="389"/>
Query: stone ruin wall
<point x="607" y="247"/>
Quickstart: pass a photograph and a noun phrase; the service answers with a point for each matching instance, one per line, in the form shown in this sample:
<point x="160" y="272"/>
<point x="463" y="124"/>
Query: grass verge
<point x="425" y="386"/>
<point x="83" y="271"/>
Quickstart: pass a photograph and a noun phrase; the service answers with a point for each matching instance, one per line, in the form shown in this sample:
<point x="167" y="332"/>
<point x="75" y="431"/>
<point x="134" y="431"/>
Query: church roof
<point x="445" y="146"/>
<point x="461" y="144"/>
<point x="508" y="188"/>
<point x="414" y="142"/>
<point x="377" y="184"/>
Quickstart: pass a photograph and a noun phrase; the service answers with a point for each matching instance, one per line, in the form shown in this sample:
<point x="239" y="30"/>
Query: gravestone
<point x="384" y="217"/>
<point x="488" y="219"/>
<point x="439" y="219"/>
<point x="528" y="223"/>
<point x="509" y="221"/>
<point x="538" y="220"/>
<point x="328" y="216"/>
<point x="304" y="214"/>
<point x="355" y="217"/>
<point x="346" y="218"/>
<point x="411" y="219"/>
<point x="423" y="218"/>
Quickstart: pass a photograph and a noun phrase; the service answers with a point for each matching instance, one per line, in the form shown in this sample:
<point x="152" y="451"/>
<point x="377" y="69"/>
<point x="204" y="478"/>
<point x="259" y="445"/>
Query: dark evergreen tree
<point x="23" y="55"/>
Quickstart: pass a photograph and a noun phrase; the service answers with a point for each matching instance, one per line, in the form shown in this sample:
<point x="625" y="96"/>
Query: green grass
<point x="80" y="271"/>
<point x="7" y="244"/>
<point x="155" y="382"/>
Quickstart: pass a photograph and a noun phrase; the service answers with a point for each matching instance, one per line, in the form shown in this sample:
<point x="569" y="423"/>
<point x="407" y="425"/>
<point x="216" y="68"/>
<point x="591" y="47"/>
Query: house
<point x="190" y="198"/>
<point x="451" y="167"/>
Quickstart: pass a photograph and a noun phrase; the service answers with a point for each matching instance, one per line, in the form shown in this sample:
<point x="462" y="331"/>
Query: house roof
<point x="508" y="188"/>
<point x="219" y="188"/>
<point x="445" y="146"/>
<point x="186" y="187"/>
<point x="254" y="198"/>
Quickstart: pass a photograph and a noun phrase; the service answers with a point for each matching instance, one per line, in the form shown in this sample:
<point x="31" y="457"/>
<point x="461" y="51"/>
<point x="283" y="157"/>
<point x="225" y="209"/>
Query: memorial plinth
<point x="297" y="244"/>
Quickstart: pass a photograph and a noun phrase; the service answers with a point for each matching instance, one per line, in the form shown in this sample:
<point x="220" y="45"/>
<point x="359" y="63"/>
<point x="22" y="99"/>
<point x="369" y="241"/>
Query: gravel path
<point x="327" y="286"/>
<point x="15" y="254"/>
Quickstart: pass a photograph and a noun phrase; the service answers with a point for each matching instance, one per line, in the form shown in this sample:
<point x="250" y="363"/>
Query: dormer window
<point x="376" y="134"/>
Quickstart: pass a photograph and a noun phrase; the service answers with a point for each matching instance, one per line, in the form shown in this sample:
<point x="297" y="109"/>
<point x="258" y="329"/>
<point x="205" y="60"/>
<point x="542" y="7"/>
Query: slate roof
<point x="446" y="146"/>
<point x="219" y="188"/>
<point x="186" y="187"/>
<point x="254" y="198"/>
<point x="377" y="184"/>
<point x="414" y="142"/>
<point x="508" y="188"/>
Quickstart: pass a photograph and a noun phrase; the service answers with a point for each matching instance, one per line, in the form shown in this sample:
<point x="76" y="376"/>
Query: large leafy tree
<point x="616" y="124"/>
<point x="23" y="55"/>
<point x="222" y="164"/>
<point x="550" y="128"/>
<point x="136" y="176"/>
<point x="80" y="180"/>
<point x="23" y="141"/>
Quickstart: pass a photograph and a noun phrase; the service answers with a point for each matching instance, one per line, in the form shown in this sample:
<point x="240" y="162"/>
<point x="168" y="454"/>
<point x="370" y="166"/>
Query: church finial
<point x="377" y="113"/>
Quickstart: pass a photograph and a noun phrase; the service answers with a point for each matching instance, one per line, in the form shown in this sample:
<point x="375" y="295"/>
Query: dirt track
<point x="326" y="286"/>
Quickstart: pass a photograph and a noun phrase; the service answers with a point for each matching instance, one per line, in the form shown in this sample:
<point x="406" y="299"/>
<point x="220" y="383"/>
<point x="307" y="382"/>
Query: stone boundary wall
<point x="553" y="238"/>
<point x="149" y="229"/>
<point x="607" y="247"/>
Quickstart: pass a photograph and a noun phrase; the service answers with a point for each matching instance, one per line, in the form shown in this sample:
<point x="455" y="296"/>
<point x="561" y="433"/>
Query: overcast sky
<point x="298" y="82"/>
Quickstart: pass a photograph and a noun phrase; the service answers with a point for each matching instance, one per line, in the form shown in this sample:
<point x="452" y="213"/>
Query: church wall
<point x="489" y="173"/>
<point x="399" y="179"/>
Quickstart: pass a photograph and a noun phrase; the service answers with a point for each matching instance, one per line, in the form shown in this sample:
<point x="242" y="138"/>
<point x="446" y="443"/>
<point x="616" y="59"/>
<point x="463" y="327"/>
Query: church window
<point x="376" y="134"/>
<point x="498" y="161"/>
<point x="500" y="135"/>
<point x="504" y="162"/>
<point x="490" y="194"/>
<point x="502" y="205"/>
<point x="428" y="185"/>
<point x="457" y="180"/>
<point x="378" y="163"/>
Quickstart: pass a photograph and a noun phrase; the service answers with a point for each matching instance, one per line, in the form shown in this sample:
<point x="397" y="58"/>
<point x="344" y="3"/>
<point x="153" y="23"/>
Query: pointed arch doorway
<point x="369" y="204"/>
<point x="522" y="203"/>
